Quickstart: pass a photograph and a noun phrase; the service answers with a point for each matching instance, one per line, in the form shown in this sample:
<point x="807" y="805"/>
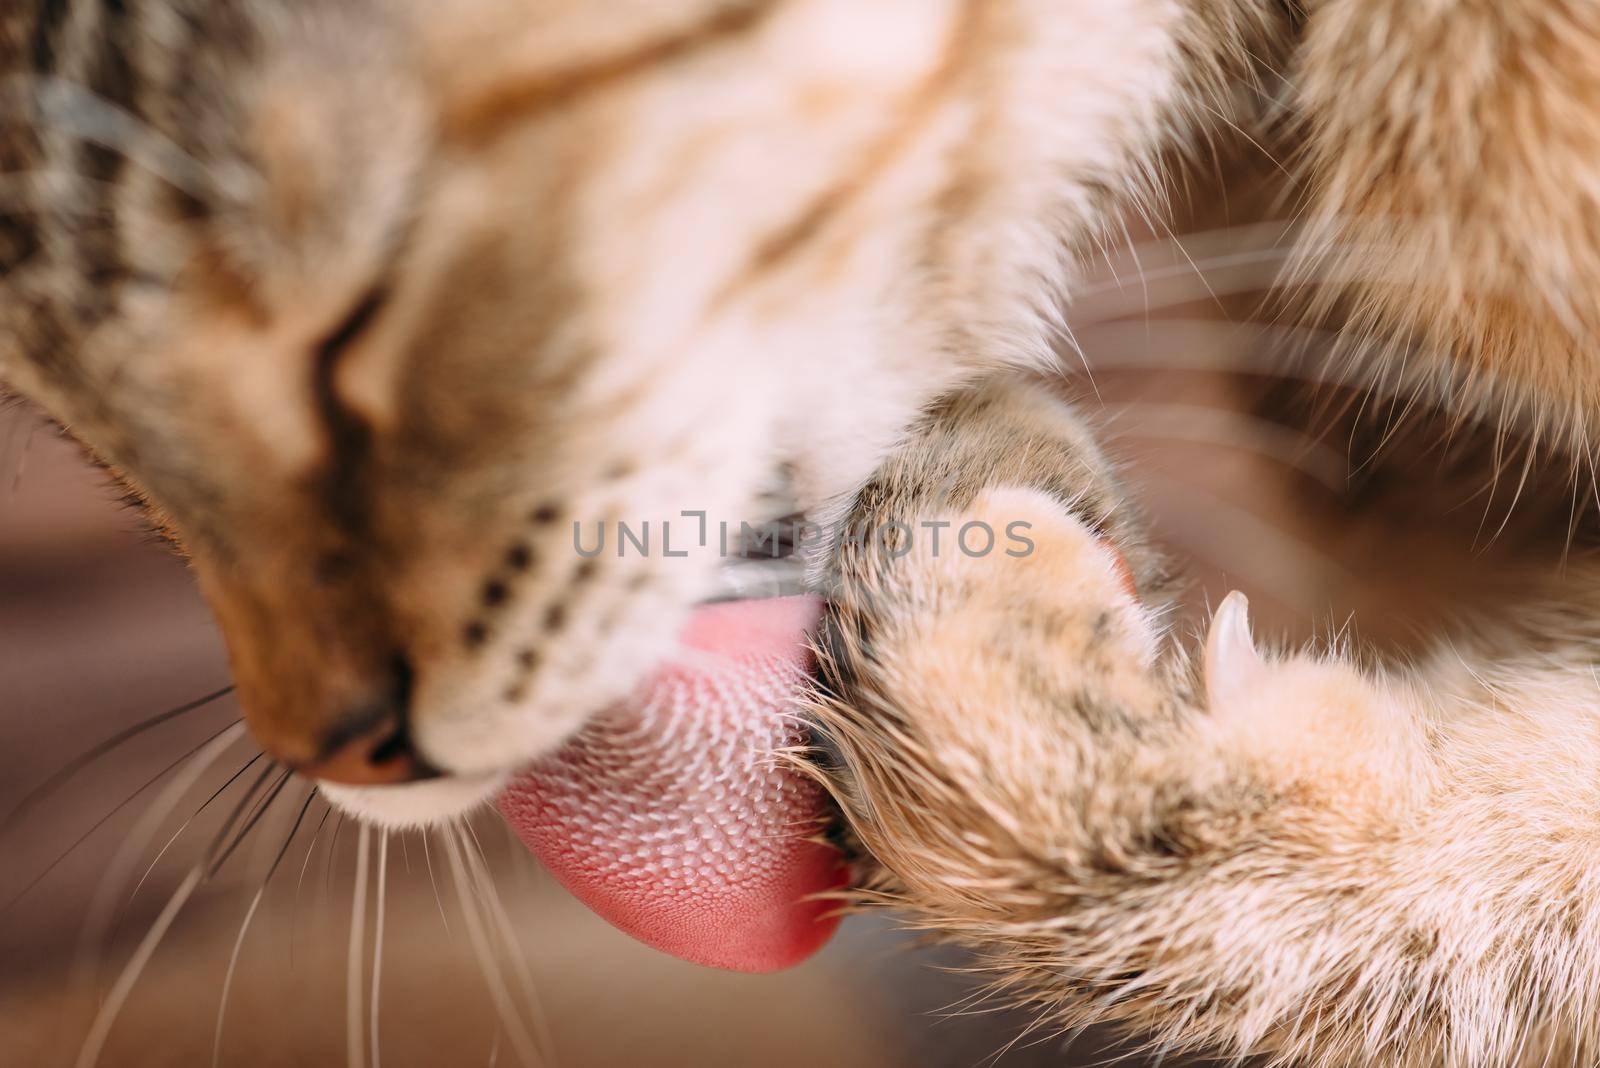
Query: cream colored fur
<point x="371" y="301"/>
<point x="572" y="271"/>
<point x="1245" y="854"/>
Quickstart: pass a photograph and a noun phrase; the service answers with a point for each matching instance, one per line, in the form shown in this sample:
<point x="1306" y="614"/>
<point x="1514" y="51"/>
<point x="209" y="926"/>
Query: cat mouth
<point x="681" y="815"/>
<point x="678" y="815"/>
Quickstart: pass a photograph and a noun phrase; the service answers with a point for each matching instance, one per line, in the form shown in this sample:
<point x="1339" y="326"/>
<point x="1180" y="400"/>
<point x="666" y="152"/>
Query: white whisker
<point x="244" y="929"/>
<point x="478" y="866"/>
<point x="1236" y="430"/>
<point x="294" y="913"/>
<point x="333" y="849"/>
<point x="61" y="776"/>
<point x="98" y="916"/>
<point x="355" y="1056"/>
<point x="1255" y="348"/>
<point x="377" y="938"/>
<point x="427" y="857"/>
<point x="1227" y="275"/>
<point x="227" y="979"/>
<point x="521" y="1040"/>
<point x="220" y="856"/>
<point x="87" y="116"/>
<point x="1239" y="541"/>
<point x="100" y="1030"/>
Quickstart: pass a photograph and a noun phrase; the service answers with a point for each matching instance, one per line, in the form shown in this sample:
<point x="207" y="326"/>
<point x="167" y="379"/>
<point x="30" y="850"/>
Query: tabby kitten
<point x="373" y="300"/>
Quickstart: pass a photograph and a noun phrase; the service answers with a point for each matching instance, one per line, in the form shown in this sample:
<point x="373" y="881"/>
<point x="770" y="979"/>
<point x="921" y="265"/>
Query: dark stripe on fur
<point x="487" y="117"/>
<point x="113" y="77"/>
<point x="52" y="13"/>
<point x="349" y="435"/>
<point x="19" y="148"/>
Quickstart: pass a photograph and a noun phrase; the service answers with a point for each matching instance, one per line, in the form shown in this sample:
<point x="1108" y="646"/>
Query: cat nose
<point x="371" y="744"/>
<point x="379" y="753"/>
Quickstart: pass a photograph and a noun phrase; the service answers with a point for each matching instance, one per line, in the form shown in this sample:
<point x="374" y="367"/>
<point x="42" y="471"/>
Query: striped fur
<point x="371" y="300"/>
<point x="1225" y="854"/>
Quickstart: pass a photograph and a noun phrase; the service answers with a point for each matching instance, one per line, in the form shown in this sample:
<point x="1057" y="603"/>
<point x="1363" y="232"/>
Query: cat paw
<point x="1018" y="591"/>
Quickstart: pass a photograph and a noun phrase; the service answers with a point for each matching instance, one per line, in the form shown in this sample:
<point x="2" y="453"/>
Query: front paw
<point x="1062" y="614"/>
<point x="982" y="646"/>
<point x="967" y="699"/>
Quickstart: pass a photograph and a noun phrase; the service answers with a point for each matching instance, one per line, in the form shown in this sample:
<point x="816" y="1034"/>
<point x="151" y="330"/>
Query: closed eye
<point x="349" y="436"/>
<point x="354" y="325"/>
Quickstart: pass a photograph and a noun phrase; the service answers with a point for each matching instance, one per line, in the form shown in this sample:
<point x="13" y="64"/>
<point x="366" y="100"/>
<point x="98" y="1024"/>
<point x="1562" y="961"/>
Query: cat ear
<point x="1232" y="665"/>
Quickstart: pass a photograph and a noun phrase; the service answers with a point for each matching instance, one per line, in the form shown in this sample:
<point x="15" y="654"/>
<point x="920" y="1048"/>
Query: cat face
<point x="393" y="323"/>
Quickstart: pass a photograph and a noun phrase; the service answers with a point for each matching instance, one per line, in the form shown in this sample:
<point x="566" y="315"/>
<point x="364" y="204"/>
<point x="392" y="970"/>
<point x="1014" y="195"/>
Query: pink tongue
<point x="670" y="817"/>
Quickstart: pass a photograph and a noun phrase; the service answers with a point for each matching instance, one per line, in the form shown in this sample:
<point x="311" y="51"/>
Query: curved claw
<point x="1232" y="664"/>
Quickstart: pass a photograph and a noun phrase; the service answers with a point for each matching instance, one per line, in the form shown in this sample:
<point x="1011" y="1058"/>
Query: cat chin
<point x="414" y="805"/>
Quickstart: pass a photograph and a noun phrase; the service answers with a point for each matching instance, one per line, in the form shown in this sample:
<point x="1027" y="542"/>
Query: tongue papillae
<point x="670" y="816"/>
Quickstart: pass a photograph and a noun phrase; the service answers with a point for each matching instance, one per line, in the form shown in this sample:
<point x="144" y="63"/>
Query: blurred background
<point x="100" y="630"/>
